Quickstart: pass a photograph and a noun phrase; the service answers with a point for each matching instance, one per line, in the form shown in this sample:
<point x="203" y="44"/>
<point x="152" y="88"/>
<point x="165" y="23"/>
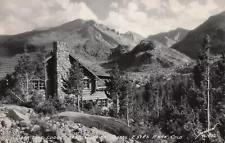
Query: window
<point x="41" y="85"/>
<point x="35" y="83"/>
<point x="86" y="83"/>
<point x="38" y="84"/>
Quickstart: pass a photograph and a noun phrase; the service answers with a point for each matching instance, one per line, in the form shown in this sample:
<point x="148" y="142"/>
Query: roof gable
<point x="84" y="67"/>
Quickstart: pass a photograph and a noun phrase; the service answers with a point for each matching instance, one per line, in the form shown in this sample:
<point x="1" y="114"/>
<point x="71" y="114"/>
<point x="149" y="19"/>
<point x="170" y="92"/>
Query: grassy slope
<point x="108" y="124"/>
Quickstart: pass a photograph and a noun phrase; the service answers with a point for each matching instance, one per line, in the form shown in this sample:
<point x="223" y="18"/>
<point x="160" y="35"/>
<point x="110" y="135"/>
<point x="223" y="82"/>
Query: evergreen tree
<point x="219" y="97"/>
<point x="74" y="84"/>
<point x="203" y="92"/>
<point x="126" y="99"/>
<point x="19" y="83"/>
<point x="221" y="73"/>
<point x="201" y="74"/>
<point x="113" y="88"/>
<point x="40" y="64"/>
<point x="24" y="73"/>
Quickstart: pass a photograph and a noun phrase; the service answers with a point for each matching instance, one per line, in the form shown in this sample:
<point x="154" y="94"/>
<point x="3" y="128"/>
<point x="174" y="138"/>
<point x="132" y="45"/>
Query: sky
<point x="145" y="17"/>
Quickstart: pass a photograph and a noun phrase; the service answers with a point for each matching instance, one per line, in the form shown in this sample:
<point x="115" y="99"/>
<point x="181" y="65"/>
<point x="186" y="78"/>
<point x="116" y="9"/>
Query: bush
<point x="96" y="111"/>
<point x="70" y="103"/>
<point x="88" y="105"/>
<point x="46" y="108"/>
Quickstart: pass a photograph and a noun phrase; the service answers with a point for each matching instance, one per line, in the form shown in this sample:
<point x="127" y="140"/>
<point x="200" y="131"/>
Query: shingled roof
<point x="93" y="67"/>
<point x="8" y="65"/>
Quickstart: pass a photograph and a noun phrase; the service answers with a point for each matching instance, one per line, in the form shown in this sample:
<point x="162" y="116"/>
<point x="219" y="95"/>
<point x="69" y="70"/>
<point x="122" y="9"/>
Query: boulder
<point x="63" y="138"/>
<point x="24" y="123"/>
<point x="2" y="115"/>
<point x="108" y="138"/>
<point x="35" y="128"/>
<point x="5" y="141"/>
<point x="25" y="138"/>
<point x="78" y="139"/>
<point x="37" y="139"/>
<point x="66" y="139"/>
<point x="92" y="139"/>
<point x="141" y="123"/>
<point x="44" y="141"/>
<point x="21" y="109"/>
<point x="101" y="139"/>
<point x="16" y="115"/>
<point x="7" y="123"/>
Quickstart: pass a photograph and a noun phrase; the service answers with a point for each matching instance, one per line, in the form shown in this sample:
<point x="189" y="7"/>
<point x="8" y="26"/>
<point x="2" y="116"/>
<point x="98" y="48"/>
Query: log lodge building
<point x="57" y="66"/>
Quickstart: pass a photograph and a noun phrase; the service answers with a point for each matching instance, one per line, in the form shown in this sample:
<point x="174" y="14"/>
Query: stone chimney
<point x="62" y="65"/>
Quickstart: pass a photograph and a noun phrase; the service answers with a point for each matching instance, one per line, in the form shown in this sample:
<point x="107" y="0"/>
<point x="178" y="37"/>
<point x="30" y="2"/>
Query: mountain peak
<point x="222" y="13"/>
<point x="128" y="33"/>
<point x="179" y="28"/>
<point x="78" y="20"/>
<point x="132" y="33"/>
<point x="169" y="38"/>
<point x="219" y="15"/>
<point x="214" y="26"/>
<point x="92" y="22"/>
<point x="133" y="36"/>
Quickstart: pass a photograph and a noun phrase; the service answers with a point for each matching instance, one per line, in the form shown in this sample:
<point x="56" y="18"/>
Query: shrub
<point x="88" y="105"/>
<point x="46" y="108"/>
<point x="96" y="111"/>
<point x="70" y="103"/>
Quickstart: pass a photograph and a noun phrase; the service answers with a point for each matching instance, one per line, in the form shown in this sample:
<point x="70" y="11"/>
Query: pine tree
<point x="221" y="73"/>
<point x="126" y="98"/>
<point x="220" y="97"/>
<point x="201" y="72"/>
<point x="74" y="84"/>
<point x="40" y="64"/>
<point x="113" y="88"/>
<point x="202" y="79"/>
<point x="24" y="73"/>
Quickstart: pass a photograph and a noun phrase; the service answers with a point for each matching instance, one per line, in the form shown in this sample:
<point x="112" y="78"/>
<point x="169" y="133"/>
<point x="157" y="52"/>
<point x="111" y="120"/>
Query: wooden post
<point x="81" y="102"/>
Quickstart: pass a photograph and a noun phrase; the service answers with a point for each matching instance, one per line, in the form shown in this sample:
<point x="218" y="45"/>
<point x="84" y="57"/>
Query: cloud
<point x="194" y="13"/>
<point x="144" y="17"/>
<point x="151" y="4"/>
<point x="141" y="21"/>
<point x="114" y="5"/>
<point x="23" y="15"/>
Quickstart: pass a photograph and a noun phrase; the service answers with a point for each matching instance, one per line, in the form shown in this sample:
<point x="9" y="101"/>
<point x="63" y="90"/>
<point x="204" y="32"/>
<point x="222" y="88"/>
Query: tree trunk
<point x="27" y="87"/>
<point x="78" y="103"/>
<point x="117" y="105"/>
<point x="128" y="124"/>
<point x="208" y="88"/>
<point x="22" y="86"/>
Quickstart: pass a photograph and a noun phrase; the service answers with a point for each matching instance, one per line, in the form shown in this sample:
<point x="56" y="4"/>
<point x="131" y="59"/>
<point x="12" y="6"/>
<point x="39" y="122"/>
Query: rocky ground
<point x="23" y="125"/>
